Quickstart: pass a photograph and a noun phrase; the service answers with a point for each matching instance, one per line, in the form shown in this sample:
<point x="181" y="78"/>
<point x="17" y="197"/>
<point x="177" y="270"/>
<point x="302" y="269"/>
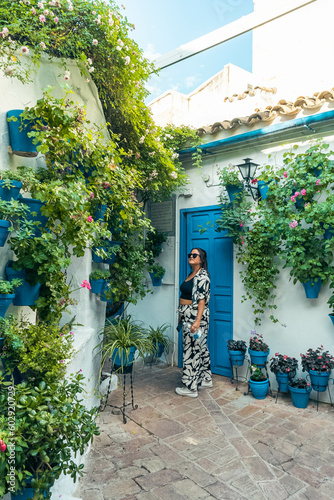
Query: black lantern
<point x="247" y="171"/>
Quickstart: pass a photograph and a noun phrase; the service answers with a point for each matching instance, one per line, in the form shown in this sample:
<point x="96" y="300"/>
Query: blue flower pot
<point x="97" y="285"/>
<point x="329" y="233"/>
<point x="110" y="260"/>
<point x="331" y="317"/>
<point x="20" y="143"/>
<point x="283" y="381"/>
<point x="259" y="389"/>
<point x="2" y="341"/>
<point x="12" y="193"/>
<point x="234" y="192"/>
<point x="4" y="231"/>
<point x="258" y="358"/>
<point x="105" y="287"/>
<point x="312" y="288"/>
<point x="5" y="302"/>
<point x="155" y="281"/>
<point x="99" y="212"/>
<point x="237" y="357"/>
<point x="25" y="294"/>
<point x="122" y="360"/>
<point x="35" y="213"/>
<point x="319" y="381"/>
<point x="300" y="397"/>
<point x="27" y="493"/>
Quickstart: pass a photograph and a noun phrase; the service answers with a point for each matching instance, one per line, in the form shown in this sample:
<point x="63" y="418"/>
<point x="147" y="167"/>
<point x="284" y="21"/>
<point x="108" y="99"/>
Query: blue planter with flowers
<point x="237" y="357"/>
<point x="25" y="294"/>
<point x="108" y="260"/>
<point x="300" y="397"/>
<point x="312" y="288"/>
<point x="319" y="381"/>
<point x="282" y="381"/>
<point x="20" y="143"/>
<point x="35" y="215"/>
<point x="258" y="358"/>
<point x="259" y="388"/>
<point x="234" y="192"/>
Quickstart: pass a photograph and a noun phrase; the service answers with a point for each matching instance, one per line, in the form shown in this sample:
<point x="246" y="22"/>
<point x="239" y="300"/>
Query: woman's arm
<point x="196" y="324"/>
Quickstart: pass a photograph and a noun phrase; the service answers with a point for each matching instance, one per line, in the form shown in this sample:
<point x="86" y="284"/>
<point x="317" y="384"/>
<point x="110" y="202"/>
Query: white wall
<point x="90" y="311"/>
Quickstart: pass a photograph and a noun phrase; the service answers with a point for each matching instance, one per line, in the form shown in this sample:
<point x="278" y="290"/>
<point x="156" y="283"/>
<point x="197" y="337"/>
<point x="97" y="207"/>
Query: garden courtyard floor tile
<point x="222" y="445"/>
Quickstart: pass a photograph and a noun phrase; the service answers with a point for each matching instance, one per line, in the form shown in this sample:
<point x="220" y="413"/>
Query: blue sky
<point x="162" y="26"/>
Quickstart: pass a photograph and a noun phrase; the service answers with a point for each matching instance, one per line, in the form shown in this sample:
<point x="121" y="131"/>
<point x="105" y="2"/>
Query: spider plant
<point x="157" y="336"/>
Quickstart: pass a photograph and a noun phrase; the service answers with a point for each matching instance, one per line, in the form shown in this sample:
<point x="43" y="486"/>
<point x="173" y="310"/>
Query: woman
<point x="194" y="316"/>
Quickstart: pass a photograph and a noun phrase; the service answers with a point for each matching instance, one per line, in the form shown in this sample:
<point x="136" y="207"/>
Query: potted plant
<point x="236" y="351"/>
<point x="319" y="364"/>
<point x="258" y="349"/>
<point x="157" y="272"/>
<point x="12" y="181"/>
<point x="20" y="141"/>
<point x="97" y="279"/>
<point x="229" y="177"/>
<point x="300" y="391"/>
<point x="154" y="241"/>
<point x="258" y="382"/>
<point x="160" y="342"/>
<point x="106" y="253"/>
<point x="121" y="338"/>
<point x="26" y="294"/>
<point x="34" y="212"/>
<point x="10" y="213"/>
<point x="7" y="294"/>
<point x="284" y="368"/>
<point x="51" y="425"/>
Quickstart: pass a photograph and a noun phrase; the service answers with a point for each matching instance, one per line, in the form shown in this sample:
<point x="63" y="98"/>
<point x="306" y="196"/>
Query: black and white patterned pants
<point x="196" y="357"/>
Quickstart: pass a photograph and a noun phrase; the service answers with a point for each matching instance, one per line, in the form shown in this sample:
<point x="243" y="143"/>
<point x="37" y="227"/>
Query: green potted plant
<point x="284" y="368"/>
<point x="236" y="351"/>
<point x="160" y="341"/>
<point x="154" y="241"/>
<point x="97" y="279"/>
<point x="319" y="364"/>
<point x="258" y="382"/>
<point x="10" y="213"/>
<point x="258" y="349"/>
<point x="51" y="425"/>
<point x="7" y="289"/>
<point x="157" y="272"/>
<point x="300" y="391"/>
<point x="229" y="178"/>
<point x="12" y="181"/>
<point x="121" y="339"/>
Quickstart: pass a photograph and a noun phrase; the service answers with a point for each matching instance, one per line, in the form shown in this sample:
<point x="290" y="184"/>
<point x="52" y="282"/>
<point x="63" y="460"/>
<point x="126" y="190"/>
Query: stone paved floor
<point x="222" y="445"/>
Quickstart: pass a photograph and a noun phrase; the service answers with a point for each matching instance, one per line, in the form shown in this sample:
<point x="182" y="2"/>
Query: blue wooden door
<point x="220" y="264"/>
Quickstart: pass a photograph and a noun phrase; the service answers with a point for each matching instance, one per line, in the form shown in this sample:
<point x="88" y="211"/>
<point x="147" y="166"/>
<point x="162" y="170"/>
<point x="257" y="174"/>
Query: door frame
<point x="182" y="265"/>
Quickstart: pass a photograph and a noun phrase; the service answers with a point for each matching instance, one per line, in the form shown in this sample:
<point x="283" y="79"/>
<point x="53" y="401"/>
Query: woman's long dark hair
<point x="203" y="257"/>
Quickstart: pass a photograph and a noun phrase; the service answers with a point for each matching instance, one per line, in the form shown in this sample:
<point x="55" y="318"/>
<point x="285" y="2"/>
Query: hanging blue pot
<point x="99" y="212"/>
<point x="331" y="317"/>
<point x="329" y="233"/>
<point x="234" y="192"/>
<point x="20" y="143"/>
<point x="105" y="288"/>
<point x="120" y="359"/>
<point x="259" y="389"/>
<point x="27" y="493"/>
<point x="97" y="285"/>
<point x="155" y="281"/>
<point x="237" y="357"/>
<point x="35" y="206"/>
<point x="264" y="188"/>
<point x="110" y="260"/>
<point x="258" y="358"/>
<point x="25" y="294"/>
<point x="4" y="231"/>
<point x="319" y="381"/>
<point x="5" y="302"/>
<point x="283" y="381"/>
<point x="12" y="193"/>
<point x="300" y="397"/>
<point x="312" y="288"/>
<point x="2" y="341"/>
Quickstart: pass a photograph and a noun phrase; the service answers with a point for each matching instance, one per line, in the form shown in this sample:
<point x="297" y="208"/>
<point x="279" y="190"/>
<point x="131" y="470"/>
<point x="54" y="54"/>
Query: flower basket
<point x="258" y="358"/>
<point x="234" y="192"/>
<point x="300" y="397"/>
<point x="319" y="381"/>
<point x="312" y="288"/>
<point x="4" y="231"/>
<point x="19" y="141"/>
<point x="7" y="194"/>
<point x="259" y="388"/>
<point x="237" y="357"/>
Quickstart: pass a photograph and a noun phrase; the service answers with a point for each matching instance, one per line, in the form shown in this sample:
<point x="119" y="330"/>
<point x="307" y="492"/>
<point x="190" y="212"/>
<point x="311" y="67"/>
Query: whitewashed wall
<point x="90" y="311"/>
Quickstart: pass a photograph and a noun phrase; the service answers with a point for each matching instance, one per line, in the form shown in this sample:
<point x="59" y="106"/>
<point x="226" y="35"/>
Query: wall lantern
<point x="247" y="171"/>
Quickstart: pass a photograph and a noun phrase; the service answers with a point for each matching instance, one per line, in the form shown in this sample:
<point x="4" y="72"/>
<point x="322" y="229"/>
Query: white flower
<point x="91" y="69"/>
<point x="174" y="156"/>
<point x="111" y="22"/>
<point x="67" y="75"/>
<point x="24" y="50"/>
<point x="95" y="42"/>
<point x="118" y="47"/>
<point x="87" y="80"/>
<point x="173" y="175"/>
<point x="70" y="7"/>
<point x="9" y="70"/>
<point x="46" y="12"/>
<point x="141" y="140"/>
<point x="89" y="60"/>
<point x="40" y="5"/>
<point x="120" y="42"/>
<point x="42" y="44"/>
<point x="127" y="60"/>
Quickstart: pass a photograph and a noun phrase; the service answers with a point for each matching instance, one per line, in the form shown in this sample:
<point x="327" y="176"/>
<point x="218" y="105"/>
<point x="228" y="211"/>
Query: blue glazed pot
<point x="13" y="192"/>
<point x="110" y="260"/>
<point x="20" y="143"/>
<point x="25" y="294"/>
<point x="105" y="287"/>
<point x="35" y="213"/>
<point x="329" y="233"/>
<point x="319" y="381"/>
<point x="121" y="359"/>
<point x="97" y="285"/>
<point x="312" y="288"/>
<point x="258" y="358"/>
<point x="4" y="231"/>
<point x="234" y="192"/>
<point x="27" y="493"/>
<point x="331" y="317"/>
<point x="237" y="357"/>
<point x="283" y="381"/>
<point x="259" y="389"/>
<point x="99" y="212"/>
<point x="155" y="281"/>
<point x="5" y="302"/>
<point x="300" y="397"/>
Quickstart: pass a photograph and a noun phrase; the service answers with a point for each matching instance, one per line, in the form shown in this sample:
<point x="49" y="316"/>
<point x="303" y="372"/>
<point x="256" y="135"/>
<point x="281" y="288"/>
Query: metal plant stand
<point x="318" y="392"/>
<point x="234" y="370"/>
<point x="127" y="370"/>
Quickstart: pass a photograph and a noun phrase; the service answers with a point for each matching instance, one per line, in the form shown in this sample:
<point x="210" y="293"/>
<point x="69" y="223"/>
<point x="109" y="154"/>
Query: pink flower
<point x="24" y="50"/>
<point x="71" y="333"/>
<point x="33" y="10"/>
<point x="293" y="224"/>
<point x="42" y="18"/>
<point x="276" y="353"/>
<point x="296" y="193"/>
<point x="285" y="356"/>
<point x="91" y="196"/>
<point x="241" y="225"/>
<point x="90" y="218"/>
<point x="141" y="140"/>
<point x="89" y="61"/>
<point x="86" y="284"/>
<point x="56" y="19"/>
<point x="293" y="199"/>
<point x="127" y="60"/>
<point x="173" y="175"/>
<point x="91" y="69"/>
<point x="95" y="42"/>
<point x="318" y="182"/>
<point x="303" y="192"/>
<point x="285" y="174"/>
<point x="3" y="446"/>
<point x="62" y="361"/>
<point x="73" y="216"/>
<point x="42" y="44"/>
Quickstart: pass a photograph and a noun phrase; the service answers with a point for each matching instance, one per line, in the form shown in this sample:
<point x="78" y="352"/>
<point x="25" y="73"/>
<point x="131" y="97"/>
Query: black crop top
<point x="186" y="289"/>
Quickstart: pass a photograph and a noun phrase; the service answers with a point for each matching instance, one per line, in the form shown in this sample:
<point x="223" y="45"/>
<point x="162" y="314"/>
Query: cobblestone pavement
<point x="222" y="445"/>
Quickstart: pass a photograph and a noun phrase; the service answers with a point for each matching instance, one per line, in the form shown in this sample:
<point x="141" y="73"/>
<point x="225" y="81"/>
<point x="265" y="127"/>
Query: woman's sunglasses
<point x="193" y="255"/>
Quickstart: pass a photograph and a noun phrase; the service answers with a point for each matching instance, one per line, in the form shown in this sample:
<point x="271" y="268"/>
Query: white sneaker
<point x="184" y="391"/>
<point x="206" y="383"/>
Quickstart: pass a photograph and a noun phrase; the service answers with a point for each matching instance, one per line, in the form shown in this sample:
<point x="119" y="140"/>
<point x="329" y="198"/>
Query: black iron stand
<point x="329" y="393"/>
<point x="234" y="368"/>
<point x="126" y="370"/>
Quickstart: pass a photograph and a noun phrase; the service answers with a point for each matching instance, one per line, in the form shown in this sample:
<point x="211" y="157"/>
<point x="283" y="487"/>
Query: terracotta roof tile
<point x="250" y="92"/>
<point x="282" y="108"/>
